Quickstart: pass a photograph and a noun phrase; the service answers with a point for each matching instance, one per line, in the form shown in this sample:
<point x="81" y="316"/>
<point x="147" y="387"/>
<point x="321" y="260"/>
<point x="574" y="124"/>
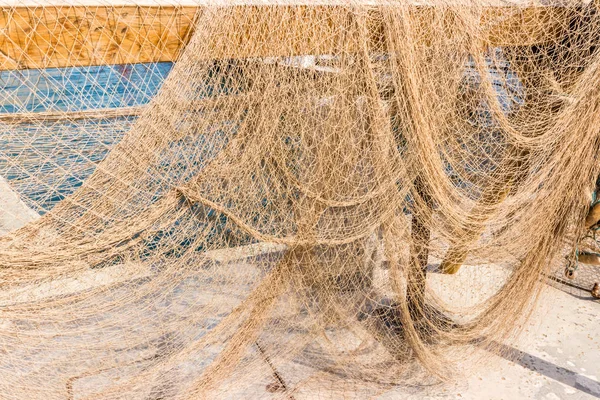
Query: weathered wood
<point x="61" y="36"/>
<point x="51" y="116"/>
<point x="77" y="35"/>
<point x="526" y="26"/>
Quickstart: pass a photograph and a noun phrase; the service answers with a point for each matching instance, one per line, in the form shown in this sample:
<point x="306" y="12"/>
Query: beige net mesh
<point x="323" y="199"/>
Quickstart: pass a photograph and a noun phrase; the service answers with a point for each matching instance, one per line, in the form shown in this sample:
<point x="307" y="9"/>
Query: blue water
<point x="45" y="168"/>
<point x="80" y="88"/>
<point x="47" y="161"/>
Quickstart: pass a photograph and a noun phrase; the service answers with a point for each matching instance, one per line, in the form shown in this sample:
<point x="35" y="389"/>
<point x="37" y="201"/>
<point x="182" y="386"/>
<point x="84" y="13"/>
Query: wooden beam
<point x="76" y="35"/>
<point x="52" y="116"/>
<point x="66" y="36"/>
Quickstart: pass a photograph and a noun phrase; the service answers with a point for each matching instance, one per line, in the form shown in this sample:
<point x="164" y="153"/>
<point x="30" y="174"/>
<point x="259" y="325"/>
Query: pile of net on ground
<point x="277" y="225"/>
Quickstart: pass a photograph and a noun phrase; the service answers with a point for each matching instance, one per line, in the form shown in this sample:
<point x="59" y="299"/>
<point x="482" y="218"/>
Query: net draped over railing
<point x="321" y="199"/>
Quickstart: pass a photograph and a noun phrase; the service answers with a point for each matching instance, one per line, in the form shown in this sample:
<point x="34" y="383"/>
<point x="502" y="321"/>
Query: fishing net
<point x="320" y="200"/>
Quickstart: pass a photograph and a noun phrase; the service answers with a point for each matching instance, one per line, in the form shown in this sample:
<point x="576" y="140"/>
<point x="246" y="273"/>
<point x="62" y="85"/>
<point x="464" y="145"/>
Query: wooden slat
<point x="52" y="116"/>
<point x="61" y="36"/>
<point x="48" y="37"/>
<point x="527" y="26"/>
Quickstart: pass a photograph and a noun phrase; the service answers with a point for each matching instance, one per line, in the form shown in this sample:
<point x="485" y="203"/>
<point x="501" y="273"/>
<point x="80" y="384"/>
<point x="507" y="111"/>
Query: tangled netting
<point x="320" y="200"/>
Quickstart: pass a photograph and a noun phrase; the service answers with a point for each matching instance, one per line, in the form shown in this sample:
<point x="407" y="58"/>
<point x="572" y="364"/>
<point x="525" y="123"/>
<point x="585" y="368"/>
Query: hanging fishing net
<point x="326" y="199"/>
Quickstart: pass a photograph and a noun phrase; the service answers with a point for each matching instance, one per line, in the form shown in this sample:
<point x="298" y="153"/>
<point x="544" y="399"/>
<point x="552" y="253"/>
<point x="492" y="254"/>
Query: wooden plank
<point x="51" y="116"/>
<point x="507" y="26"/>
<point x="81" y="35"/>
<point x="94" y="278"/>
<point x="65" y="36"/>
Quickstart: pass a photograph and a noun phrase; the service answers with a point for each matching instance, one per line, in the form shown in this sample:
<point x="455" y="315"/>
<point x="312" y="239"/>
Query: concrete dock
<point x="13" y="212"/>
<point x="558" y="356"/>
